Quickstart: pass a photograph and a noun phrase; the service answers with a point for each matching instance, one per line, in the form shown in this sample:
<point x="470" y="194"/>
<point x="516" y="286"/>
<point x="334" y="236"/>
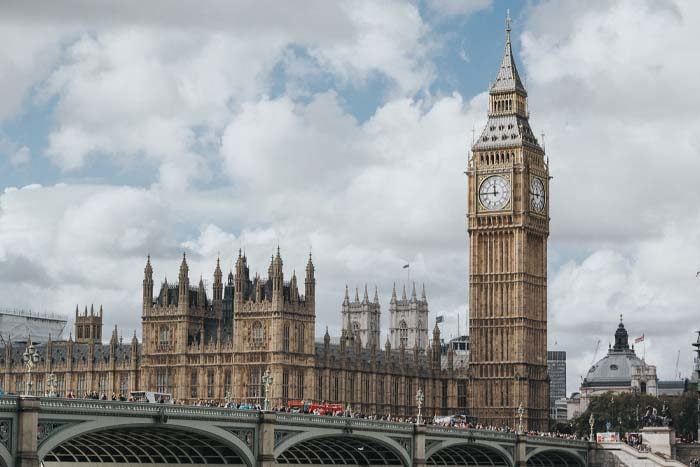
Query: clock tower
<point x="508" y="224"/>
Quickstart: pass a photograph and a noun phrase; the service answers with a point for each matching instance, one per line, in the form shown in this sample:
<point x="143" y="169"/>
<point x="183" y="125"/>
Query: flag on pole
<point x="405" y="266"/>
<point x="439" y="319"/>
<point x="639" y="339"/>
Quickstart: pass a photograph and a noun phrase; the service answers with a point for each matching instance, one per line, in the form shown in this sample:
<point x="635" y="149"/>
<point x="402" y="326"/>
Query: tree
<point x="623" y="413"/>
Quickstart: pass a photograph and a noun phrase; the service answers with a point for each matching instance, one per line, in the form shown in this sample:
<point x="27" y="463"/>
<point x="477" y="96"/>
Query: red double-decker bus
<point x="323" y="408"/>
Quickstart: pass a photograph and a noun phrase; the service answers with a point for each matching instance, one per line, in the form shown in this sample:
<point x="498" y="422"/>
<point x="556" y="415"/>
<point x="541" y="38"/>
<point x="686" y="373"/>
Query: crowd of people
<point x="455" y="422"/>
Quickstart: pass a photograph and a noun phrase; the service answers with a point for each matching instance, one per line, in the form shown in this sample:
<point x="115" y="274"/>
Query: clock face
<point x="494" y="192"/>
<point x="536" y="195"/>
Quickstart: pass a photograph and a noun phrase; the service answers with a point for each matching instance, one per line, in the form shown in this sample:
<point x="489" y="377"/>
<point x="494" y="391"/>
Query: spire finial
<point x="508" y="23"/>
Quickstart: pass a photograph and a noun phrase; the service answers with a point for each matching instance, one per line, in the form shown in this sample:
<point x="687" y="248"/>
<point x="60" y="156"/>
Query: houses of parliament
<point x="201" y="344"/>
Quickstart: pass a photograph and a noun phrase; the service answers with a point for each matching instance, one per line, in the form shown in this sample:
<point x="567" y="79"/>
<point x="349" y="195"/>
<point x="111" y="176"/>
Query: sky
<point x="343" y="128"/>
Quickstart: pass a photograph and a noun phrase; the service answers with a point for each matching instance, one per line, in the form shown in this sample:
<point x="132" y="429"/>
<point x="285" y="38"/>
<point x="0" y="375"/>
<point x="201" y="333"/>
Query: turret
<point x="183" y="294"/>
<point x="436" y="346"/>
<point x="365" y="299"/>
<point x="164" y="291"/>
<point x="147" y="286"/>
<point x="218" y="290"/>
<point x="113" y="345"/>
<point x="277" y="278"/>
<point x="240" y="278"/>
<point x="293" y="289"/>
<point x="310" y="287"/>
<point x="393" y="294"/>
<point x="201" y="294"/>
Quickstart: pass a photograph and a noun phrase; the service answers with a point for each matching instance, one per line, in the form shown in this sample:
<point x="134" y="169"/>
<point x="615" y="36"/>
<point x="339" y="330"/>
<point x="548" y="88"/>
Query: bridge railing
<point x="360" y="423"/>
<point x="469" y="432"/>
<point x="554" y="441"/>
<point x="8" y="403"/>
<point x="90" y="406"/>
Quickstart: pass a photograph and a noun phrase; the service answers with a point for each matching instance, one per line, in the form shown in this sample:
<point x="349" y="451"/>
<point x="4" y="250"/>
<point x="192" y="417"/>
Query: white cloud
<point x="611" y="83"/>
<point x="458" y="7"/>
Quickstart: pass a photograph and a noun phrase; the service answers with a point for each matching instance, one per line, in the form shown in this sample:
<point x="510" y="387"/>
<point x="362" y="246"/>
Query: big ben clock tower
<point x="508" y="224"/>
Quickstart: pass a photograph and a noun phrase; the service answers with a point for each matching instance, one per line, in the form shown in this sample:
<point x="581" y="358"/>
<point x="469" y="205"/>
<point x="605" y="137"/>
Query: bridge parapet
<point x="96" y="407"/>
<point x="552" y="441"/>
<point x="486" y="435"/>
<point x="356" y="423"/>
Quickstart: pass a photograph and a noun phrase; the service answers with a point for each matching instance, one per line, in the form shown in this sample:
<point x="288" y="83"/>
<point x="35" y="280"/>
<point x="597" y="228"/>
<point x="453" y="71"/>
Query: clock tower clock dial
<point x="537" y="195"/>
<point x="494" y="193"/>
<point x="508" y="225"/>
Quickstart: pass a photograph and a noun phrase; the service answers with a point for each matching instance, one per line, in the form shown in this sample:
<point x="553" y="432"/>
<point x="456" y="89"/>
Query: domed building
<point x="619" y="371"/>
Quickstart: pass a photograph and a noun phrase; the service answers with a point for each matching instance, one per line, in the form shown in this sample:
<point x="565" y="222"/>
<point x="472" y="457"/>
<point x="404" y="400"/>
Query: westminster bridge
<point x="51" y="431"/>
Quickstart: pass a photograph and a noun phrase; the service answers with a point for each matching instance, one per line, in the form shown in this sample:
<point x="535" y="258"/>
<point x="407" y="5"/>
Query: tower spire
<point x="508" y="78"/>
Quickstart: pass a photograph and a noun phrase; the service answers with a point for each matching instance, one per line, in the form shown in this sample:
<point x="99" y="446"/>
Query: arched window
<point x="258" y="334"/>
<point x="300" y="338"/>
<point x="403" y="333"/>
<point x="164" y="337"/>
<point x="285" y="338"/>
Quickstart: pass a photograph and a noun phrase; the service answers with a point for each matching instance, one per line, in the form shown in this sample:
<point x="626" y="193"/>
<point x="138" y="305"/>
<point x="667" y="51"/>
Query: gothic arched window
<point x="300" y="338"/>
<point x="258" y="334"/>
<point x="285" y="338"/>
<point x="164" y="337"/>
<point x="403" y="333"/>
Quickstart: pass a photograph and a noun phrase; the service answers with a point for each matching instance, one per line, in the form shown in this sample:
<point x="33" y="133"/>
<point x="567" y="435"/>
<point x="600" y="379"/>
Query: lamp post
<point x="267" y="381"/>
<point x="30" y="358"/>
<point x="51" y="384"/>
<point x="420" y="397"/>
<point x="521" y="411"/>
<point x="591" y="423"/>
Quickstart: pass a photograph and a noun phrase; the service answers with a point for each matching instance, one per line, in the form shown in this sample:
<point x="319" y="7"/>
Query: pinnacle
<point x="507" y="78"/>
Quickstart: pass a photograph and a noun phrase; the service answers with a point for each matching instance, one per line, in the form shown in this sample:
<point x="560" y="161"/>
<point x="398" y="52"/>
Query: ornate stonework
<point x="508" y="224"/>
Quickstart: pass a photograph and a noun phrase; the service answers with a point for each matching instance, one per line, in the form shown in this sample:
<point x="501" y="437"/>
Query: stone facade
<point x="195" y="351"/>
<point x="408" y="320"/>
<point x="79" y="367"/>
<point x="508" y="225"/>
<point x="363" y="318"/>
<point x="198" y="348"/>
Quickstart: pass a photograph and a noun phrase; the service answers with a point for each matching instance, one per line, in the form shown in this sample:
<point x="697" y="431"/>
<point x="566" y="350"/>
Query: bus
<point x="152" y="397"/>
<point x="302" y="406"/>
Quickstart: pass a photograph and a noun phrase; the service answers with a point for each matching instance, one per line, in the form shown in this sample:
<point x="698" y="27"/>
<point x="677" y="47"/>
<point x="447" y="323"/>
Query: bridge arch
<point x="333" y="448"/>
<point x="6" y="457"/>
<point x="549" y="457"/>
<point x="129" y="442"/>
<point x="457" y="452"/>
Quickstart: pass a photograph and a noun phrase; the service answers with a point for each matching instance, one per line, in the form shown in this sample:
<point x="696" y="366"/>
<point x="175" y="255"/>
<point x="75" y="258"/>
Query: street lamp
<point x="51" y="384"/>
<point x="267" y="381"/>
<point x="30" y="358"/>
<point x="521" y="411"/>
<point x="420" y="397"/>
<point x="591" y="423"/>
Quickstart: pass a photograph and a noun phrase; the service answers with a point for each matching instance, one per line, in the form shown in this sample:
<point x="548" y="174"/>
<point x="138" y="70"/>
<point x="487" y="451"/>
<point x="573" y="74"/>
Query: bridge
<point x="77" y="432"/>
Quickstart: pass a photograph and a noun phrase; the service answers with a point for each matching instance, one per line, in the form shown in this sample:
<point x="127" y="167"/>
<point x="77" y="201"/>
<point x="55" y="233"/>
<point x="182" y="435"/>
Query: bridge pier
<point x="266" y="443"/>
<point x="521" y="451"/>
<point x="28" y="420"/>
<point x="419" y="446"/>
